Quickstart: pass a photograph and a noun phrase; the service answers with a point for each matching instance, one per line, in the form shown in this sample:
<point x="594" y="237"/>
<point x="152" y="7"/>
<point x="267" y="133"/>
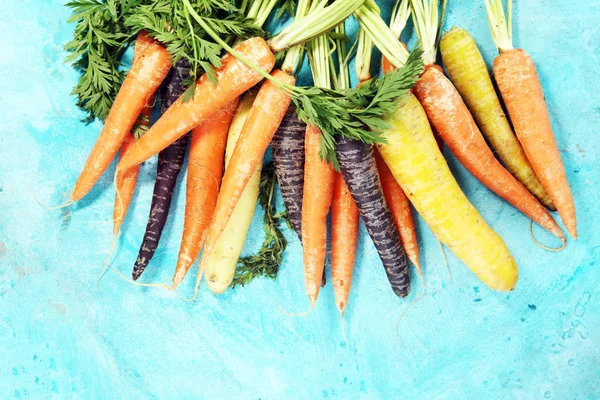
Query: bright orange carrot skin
<point x="520" y="86"/>
<point x="319" y="181"/>
<point x="449" y="115"/>
<point x="233" y="79"/>
<point x="144" y="77"/>
<point x="344" y="236"/>
<point x="205" y="169"/>
<point x="401" y="211"/>
<point x="264" y="119"/>
<point x="126" y="182"/>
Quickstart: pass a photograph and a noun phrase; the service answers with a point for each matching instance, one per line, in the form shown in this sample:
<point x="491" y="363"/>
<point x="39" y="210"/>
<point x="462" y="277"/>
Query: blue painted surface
<point x="61" y="338"/>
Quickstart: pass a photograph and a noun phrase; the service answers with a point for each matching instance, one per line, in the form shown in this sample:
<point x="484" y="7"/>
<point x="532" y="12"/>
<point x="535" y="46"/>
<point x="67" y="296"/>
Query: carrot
<point x="266" y="115"/>
<point x="127" y="181"/>
<point x="419" y="167"/>
<point x="319" y="182"/>
<point x="234" y="78"/>
<point x="450" y="117"/>
<point x="344" y="236"/>
<point x="470" y="76"/>
<point x="141" y="82"/>
<point x="288" y="160"/>
<point x="205" y="168"/>
<point x="522" y="92"/>
<point x="125" y="186"/>
<point x="401" y="211"/>
<point x="453" y="121"/>
<point x="220" y="269"/>
<point x="170" y="161"/>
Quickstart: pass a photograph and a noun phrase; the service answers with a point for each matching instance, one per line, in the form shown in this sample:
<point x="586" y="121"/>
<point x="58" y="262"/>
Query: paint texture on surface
<point x="62" y="338"/>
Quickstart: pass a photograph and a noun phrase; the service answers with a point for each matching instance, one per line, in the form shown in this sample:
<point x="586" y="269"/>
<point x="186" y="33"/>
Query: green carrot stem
<point x="500" y="23"/>
<point x="385" y="40"/>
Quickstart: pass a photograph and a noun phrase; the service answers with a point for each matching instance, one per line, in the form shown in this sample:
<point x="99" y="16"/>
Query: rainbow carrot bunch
<point x="368" y="152"/>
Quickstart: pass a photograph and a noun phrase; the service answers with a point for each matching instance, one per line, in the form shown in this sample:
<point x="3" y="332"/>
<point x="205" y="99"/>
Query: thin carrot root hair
<point x="424" y="292"/>
<point x="411" y="305"/>
<point x="46" y="207"/>
<point x="300" y="314"/>
<point x="554" y="250"/>
<point x="343" y="329"/>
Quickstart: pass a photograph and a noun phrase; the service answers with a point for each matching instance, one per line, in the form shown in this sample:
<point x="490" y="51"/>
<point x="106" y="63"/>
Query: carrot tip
<point x="555" y="250"/>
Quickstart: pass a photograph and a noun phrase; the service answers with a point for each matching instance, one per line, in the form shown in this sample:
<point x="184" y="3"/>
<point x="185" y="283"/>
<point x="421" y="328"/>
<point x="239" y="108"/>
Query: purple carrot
<point x="288" y="159"/>
<point x="357" y="163"/>
<point x="170" y="161"/>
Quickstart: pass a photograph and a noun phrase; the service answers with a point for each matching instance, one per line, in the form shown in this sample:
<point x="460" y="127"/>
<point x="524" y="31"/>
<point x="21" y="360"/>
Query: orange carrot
<point x="449" y="115"/>
<point x="521" y="90"/>
<point x="205" y="169"/>
<point x="264" y="119"/>
<point x="142" y="80"/>
<point x="127" y="181"/>
<point x="233" y="79"/>
<point x="319" y="182"/>
<point x="401" y="211"/>
<point x="344" y="235"/>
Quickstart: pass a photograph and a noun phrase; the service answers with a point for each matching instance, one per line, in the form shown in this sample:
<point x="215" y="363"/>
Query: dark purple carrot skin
<point x="288" y="159"/>
<point x="170" y="161"/>
<point x="358" y="167"/>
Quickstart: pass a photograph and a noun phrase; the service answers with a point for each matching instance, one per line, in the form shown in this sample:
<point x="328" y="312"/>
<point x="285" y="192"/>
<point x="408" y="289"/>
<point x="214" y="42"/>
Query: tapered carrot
<point x="319" y="182"/>
<point x="141" y="82"/>
<point x="470" y="76"/>
<point x="452" y="120"/>
<point x="126" y="182"/>
<point x="265" y="117"/>
<point x="520" y="86"/>
<point x="344" y="236"/>
<point x="401" y="211"/>
<point x="233" y="79"/>
<point x="205" y="168"/>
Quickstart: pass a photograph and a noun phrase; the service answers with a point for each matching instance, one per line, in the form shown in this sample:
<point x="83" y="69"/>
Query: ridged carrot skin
<point x="470" y="76"/>
<point x="266" y="115"/>
<point x="288" y="160"/>
<point x="344" y="236"/>
<point x="520" y="86"/>
<point x="401" y="211"/>
<point x="141" y="82"/>
<point x="449" y="115"/>
<point x="420" y="168"/>
<point x="204" y="172"/>
<point x="358" y="166"/>
<point x="319" y="182"/>
<point x="233" y="79"/>
<point x="220" y="270"/>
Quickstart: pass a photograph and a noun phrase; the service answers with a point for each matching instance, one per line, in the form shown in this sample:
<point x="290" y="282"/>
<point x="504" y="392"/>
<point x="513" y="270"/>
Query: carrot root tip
<point x="554" y="250"/>
<point x="47" y="207"/>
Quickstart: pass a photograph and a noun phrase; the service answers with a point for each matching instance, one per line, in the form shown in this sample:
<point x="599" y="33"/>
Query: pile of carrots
<point x="228" y="126"/>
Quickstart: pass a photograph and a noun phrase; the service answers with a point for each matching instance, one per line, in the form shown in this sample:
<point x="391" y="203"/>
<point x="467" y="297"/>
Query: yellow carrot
<point x="220" y="268"/>
<point x="416" y="162"/>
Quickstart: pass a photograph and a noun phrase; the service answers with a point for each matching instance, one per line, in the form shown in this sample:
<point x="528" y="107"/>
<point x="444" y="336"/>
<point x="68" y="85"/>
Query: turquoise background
<point x="61" y="338"/>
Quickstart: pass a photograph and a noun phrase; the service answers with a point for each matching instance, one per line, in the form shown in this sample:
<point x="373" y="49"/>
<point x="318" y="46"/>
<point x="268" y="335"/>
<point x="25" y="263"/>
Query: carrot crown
<point x="295" y="54"/>
<point x="428" y="25"/>
<point x="356" y="114"/>
<point x="500" y="23"/>
<point x="381" y="35"/>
